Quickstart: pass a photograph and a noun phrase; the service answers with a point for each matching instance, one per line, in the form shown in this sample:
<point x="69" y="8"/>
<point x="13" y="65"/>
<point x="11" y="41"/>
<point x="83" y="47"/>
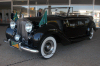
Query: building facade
<point x="30" y="7"/>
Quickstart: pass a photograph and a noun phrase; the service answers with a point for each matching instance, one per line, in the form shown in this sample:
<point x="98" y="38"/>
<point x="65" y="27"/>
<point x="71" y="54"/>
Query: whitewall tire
<point x="91" y="33"/>
<point x="48" y="47"/>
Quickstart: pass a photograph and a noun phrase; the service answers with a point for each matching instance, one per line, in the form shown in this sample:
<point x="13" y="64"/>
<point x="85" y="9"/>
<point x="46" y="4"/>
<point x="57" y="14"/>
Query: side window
<point x="80" y="23"/>
<point x="67" y="23"/>
<point x="71" y="23"/>
<point x="86" y="22"/>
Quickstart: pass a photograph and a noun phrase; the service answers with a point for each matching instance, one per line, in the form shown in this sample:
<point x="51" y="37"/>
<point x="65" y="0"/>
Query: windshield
<point x="60" y="11"/>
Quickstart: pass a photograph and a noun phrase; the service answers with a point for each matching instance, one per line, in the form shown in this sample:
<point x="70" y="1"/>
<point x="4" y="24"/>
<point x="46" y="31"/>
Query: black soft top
<point x="54" y="17"/>
<point x="48" y="18"/>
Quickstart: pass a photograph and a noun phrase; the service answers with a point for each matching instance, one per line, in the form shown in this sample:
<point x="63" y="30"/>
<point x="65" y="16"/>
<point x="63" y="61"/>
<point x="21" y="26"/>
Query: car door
<point x="70" y="29"/>
<point x="75" y="28"/>
<point x="81" y="28"/>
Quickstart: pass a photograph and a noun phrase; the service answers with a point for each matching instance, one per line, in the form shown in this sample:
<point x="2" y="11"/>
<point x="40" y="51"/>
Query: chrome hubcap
<point x="48" y="48"/>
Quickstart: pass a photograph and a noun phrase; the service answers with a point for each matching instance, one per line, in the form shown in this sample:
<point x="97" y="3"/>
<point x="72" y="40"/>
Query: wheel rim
<point x="49" y="47"/>
<point x="91" y="34"/>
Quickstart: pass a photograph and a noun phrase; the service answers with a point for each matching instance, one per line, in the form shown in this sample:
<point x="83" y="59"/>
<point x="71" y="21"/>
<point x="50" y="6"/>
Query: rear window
<point x="70" y="23"/>
<point x="86" y="22"/>
<point x="80" y="23"/>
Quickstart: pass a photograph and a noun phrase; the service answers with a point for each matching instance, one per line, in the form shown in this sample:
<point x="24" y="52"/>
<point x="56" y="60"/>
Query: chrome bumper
<point x="23" y="48"/>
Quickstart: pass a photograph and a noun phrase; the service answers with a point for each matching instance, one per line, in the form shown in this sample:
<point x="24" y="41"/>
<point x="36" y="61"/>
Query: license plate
<point x="14" y="44"/>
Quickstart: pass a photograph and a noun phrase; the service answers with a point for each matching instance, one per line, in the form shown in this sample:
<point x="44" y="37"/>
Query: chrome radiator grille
<point x="21" y="28"/>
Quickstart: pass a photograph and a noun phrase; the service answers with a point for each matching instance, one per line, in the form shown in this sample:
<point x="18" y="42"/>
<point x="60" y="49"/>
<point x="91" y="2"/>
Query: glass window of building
<point x="32" y="2"/>
<point x="82" y="10"/>
<point x="59" y="9"/>
<point x="21" y="10"/>
<point x="20" y="2"/>
<point x="60" y="2"/>
<point x="32" y="10"/>
<point x="97" y="2"/>
<point x="35" y="9"/>
<point x="0" y="14"/>
<point x="81" y="1"/>
<point x="97" y="15"/>
<point x="42" y="7"/>
<point x="41" y="2"/>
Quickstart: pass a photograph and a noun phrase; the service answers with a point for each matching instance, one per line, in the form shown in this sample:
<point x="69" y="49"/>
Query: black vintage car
<point x="26" y="34"/>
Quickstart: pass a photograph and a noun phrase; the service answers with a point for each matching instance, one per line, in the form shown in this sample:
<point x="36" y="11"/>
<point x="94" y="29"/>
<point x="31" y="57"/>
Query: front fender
<point x="41" y="33"/>
<point x="10" y="33"/>
<point x="46" y="31"/>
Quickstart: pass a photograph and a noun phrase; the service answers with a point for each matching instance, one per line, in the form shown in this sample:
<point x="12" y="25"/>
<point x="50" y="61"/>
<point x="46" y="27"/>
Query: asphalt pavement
<point x="84" y="53"/>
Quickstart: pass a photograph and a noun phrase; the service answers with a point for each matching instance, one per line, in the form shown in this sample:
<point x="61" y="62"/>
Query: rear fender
<point x="92" y="25"/>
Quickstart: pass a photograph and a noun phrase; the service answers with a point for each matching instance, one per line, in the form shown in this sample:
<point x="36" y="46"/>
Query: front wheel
<point x="91" y="33"/>
<point x="48" y="47"/>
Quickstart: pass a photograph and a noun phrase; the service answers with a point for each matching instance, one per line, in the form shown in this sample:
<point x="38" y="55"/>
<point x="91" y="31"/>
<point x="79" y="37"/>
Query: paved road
<point x="84" y="53"/>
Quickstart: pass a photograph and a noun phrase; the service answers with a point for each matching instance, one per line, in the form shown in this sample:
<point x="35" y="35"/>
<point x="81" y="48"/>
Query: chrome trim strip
<point x="20" y="46"/>
<point x="6" y="41"/>
<point x="23" y="48"/>
<point x="29" y="49"/>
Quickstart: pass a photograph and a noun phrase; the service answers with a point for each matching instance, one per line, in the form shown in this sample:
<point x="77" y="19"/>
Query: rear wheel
<point x="91" y="33"/>
<point x="48" y="47"/>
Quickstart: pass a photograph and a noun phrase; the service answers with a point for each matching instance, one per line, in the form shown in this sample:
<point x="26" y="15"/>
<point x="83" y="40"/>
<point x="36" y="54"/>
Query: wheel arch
<point x="50" y="30"/>
<point x="41" y="46"/>
<point x="92" y="25"/>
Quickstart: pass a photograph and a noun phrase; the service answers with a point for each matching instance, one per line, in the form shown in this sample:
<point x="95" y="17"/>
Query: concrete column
<point x="69" y="3"/>
<point x="20" y="13"/>
<point x="93" y="7"/>
<point x="28" y="9"/>
<point x="36" y="9"/>
<point x="2" y="14"/>
<point x="9" y="14"/>
<point x="6" y="15"/>
<point x="49" y="10"/>
<point x="11" y="6"/>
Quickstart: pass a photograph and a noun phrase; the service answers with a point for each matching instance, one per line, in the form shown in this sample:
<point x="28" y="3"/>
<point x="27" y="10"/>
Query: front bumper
<point x="23" y="47"/>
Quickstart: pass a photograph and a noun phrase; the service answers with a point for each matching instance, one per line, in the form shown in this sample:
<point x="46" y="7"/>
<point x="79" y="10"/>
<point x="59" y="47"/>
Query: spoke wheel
<point x="48" y="47"/>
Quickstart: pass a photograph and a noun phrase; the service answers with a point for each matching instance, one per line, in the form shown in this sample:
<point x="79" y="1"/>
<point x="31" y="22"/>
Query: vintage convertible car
<point x="26" y="34"/>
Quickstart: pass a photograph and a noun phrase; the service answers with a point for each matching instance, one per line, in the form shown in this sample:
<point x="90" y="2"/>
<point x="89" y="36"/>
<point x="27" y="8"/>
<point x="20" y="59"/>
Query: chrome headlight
<point x="17" y="37"/>
<point x="12" y="24"/>
<point x="28" y="27"/>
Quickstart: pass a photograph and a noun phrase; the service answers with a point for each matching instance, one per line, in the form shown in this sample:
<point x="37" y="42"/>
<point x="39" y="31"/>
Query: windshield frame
<point x="61" y="8"/>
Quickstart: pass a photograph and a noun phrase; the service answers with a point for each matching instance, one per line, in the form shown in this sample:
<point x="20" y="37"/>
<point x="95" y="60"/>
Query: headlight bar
<point x="28" y="27"/>
<point x="12" y="24"/>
